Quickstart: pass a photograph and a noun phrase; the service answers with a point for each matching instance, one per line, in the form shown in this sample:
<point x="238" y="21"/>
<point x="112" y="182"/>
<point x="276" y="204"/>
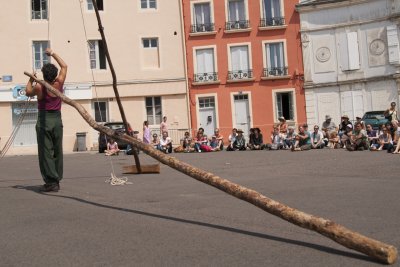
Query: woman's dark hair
<point x="49" y="72"/>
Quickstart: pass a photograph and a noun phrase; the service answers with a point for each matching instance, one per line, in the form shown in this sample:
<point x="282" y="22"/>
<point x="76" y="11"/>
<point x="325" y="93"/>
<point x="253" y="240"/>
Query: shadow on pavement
<point x="36" y="189"/>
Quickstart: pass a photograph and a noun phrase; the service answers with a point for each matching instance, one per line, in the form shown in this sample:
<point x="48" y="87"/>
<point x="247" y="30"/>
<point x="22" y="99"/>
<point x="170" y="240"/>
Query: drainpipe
<point x="185" y="64"/>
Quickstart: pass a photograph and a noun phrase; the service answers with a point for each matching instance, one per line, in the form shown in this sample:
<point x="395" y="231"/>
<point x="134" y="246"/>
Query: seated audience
<point x="372" y="137"/>
<point x="112" y="148"/>
<point x="358" y="141"/>
<point x="256" y="140"/>
<point x="239" y="143"/>
<point x="328" y="125"/>
<point x="343" y="126"/>
<point x="220" y="139"/>
<point x="385" y="141"/>
<point x="155" y="142"/>
<point x="358" y="119"/>
<point x="276" y="140"/>
<point x="333" y="141"/>
<point x="303" y="140"/>
<point x="214" y="144"/>
<point x="201" y="142"/>
<point x="346" y="135"/>
<point x="317" y="138"/>
<point x="165" y="143"/>
<point x="185" y="144"/>
<point x="232" y="139"/>
<point x="290" y="138"/>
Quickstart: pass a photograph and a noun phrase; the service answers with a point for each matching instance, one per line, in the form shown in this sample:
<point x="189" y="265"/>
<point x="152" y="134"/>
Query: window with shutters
<point x="153" y="110"/>
<point x="240" y="64"/>
<point x="202" y="20"/>
<point x="393" y="44"/>
<point x="349" y="51"/>
<point x="272" y="13"/>
<point x="275" y="62"/>
<point x="237" y="15"/>
<point x="97" y="55"/>
<point x="205" y="66"/>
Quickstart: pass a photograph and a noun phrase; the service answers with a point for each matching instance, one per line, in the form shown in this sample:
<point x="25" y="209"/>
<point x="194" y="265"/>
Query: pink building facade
<point x="244" y="64"/>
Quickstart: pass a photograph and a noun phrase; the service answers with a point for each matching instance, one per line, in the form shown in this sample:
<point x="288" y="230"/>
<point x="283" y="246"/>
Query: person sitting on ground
<point x="201" y="142"/>
<point x="328" y="125"/>
<point x="240" y="142"/>
<point x="276" y="140"/>
<point x="326" y="135"/>
<point x="359" y="139"/>
<point x="185" y="144"/>
<point x="155" y="142"/>
<point x="165" y="143"/>
<point x="283" y="126"/>
<point x="333" y="141"/>
<point x="290" y="138"/>
<point x="342" y="127"/>
<point x="303" y="140"/>
<point x="256" y="140"/>
<point x="232" y="139"/>
<point x="346" y="135"/>
<point x="363" y="126"/>
<point x="390" y="129"/>
<point x="317" y="138"/>
<point x="220" y="139"/>
<point x="112" y="148"/>
<point x="385" y="141"/>
<point x="305" y="127"/>
<point x="372" y="137"/>
<point x="214" y="144"/>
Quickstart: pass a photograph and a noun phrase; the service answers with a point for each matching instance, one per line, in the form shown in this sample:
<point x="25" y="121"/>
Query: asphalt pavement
<point x="170" y="219"/>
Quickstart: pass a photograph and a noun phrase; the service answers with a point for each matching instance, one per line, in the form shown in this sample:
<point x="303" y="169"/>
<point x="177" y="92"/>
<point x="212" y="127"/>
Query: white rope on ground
<point x="113" y="180"/>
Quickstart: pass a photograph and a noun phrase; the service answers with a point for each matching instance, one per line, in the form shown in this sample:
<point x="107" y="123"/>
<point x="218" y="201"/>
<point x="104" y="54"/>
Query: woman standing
<point x="146" y="133"/>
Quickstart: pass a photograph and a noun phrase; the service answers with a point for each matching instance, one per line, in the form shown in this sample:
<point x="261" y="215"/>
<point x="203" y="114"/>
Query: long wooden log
<point x="114" y="79"/>
<point x="377" y="250"/>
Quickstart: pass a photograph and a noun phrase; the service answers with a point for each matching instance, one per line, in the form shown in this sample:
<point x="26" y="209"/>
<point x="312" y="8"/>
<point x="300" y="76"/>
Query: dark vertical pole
<point x="114" y="78"/>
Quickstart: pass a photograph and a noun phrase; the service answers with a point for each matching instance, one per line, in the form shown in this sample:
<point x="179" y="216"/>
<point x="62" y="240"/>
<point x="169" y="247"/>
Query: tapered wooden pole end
<point x="391" y="255"/>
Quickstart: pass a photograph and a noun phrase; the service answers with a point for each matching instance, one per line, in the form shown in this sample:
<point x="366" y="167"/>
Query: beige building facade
<point x="145" y="42"/>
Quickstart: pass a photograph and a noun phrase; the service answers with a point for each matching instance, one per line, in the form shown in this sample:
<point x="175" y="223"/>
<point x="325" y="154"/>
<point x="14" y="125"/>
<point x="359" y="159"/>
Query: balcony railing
<point x="206" y="27"/>
<point x="275" y="21"/>
<point x="237" y="25"/>
<point x="206" y="77"/>
<point x="276" y="71"/>
<point x="240" y="75"/>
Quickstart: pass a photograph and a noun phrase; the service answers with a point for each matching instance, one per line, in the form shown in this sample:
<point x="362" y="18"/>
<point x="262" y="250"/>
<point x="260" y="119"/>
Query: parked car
<point x="118" y="127"/>
<point x="375" y="118"/>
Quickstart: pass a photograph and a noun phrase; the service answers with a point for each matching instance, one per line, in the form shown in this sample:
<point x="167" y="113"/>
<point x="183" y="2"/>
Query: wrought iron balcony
<point x="275" y="21"/>
<point x="206" y="77"/>
<point x="206" y="27"/>
<point x="240" y="75"/>
<point x="276" y="71"/>
<point x="237" y="25"/>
